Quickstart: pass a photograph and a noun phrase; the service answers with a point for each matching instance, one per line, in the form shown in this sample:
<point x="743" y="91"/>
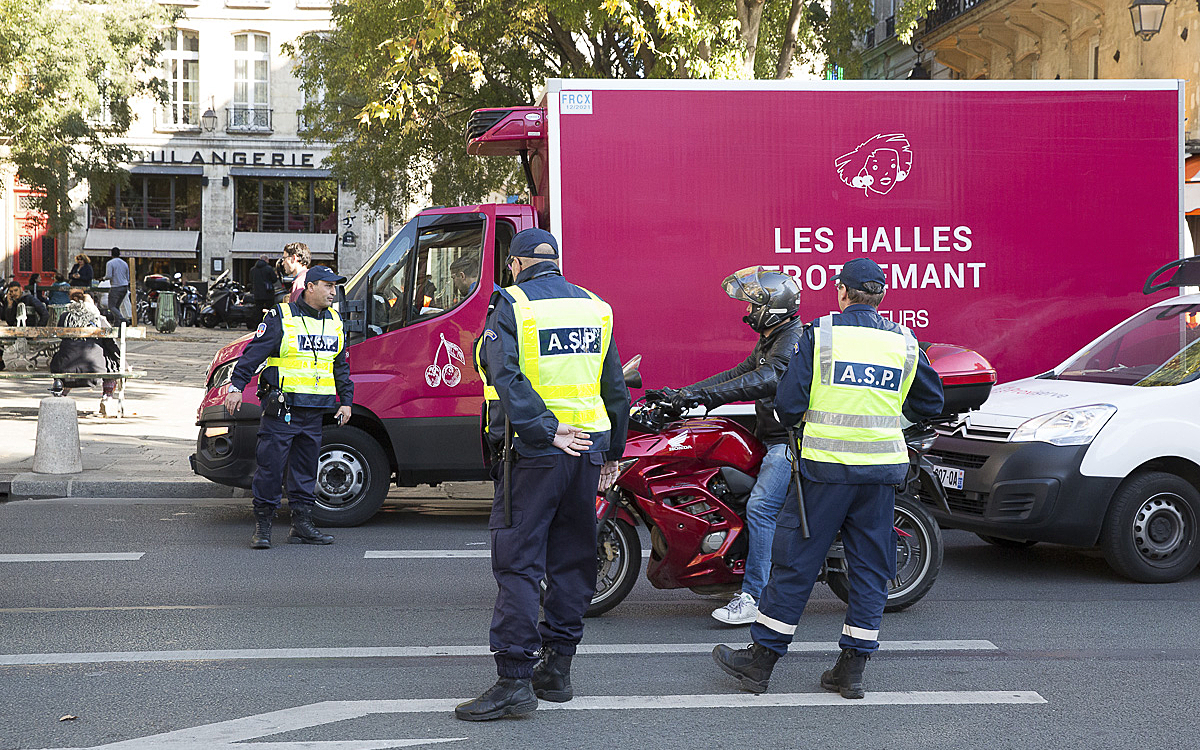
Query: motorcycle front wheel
<point x="208" y="320"/>
<point x="918" y="558"/>
<point x="618" y="562"/>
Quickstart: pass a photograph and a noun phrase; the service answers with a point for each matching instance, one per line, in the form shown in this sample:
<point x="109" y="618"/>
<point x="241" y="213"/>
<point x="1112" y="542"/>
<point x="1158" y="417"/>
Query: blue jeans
<point x="768" y="496"/>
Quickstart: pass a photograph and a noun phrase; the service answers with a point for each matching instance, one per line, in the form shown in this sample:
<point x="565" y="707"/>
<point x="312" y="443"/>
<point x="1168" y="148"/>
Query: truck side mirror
<point x="351" y="310"/>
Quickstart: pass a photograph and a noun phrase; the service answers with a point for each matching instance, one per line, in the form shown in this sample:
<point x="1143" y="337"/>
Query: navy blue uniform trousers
<point x="864" y="513"/>
<point x="283" y="445"/>
<point x="553" y="535"/>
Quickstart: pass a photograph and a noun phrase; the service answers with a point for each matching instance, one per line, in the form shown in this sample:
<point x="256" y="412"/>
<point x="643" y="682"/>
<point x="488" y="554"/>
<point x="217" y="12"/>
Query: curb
<point x="39" y="486"/>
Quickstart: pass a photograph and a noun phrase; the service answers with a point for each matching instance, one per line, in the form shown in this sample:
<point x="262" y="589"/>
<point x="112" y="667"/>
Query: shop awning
<point x="1191" y="185"/>
<point x="254" y="244"/>
<point x="144" y="243"/>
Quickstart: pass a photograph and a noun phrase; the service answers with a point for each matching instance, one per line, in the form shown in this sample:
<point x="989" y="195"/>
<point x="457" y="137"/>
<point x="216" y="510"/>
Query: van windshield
<point x="1156" y="347"/>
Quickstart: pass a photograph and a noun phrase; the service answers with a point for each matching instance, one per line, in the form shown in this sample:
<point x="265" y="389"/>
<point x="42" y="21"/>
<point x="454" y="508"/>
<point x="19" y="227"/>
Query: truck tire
<point x="353" y="477"/>
<point x="918" y="558"/>
<point x="618" y="562"/>
<point x="1150" y="530"/>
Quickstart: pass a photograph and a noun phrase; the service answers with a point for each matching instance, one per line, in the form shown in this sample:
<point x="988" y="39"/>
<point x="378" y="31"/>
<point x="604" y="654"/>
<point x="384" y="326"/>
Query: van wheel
<point x="1150" y="531"/>
<point x="353" y="477"/>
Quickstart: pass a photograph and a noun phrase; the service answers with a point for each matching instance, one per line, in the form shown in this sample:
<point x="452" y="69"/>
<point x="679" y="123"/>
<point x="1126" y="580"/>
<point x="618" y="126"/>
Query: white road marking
<point x="424" y="652"/>
<point x="224" y="734"/>
<point x="71" y="557"/>
<point x="435" y="554"/>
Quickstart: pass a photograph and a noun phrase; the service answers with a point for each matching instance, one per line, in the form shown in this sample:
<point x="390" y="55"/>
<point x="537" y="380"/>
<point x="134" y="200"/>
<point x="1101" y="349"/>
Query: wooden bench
<point x="54" y="335"/>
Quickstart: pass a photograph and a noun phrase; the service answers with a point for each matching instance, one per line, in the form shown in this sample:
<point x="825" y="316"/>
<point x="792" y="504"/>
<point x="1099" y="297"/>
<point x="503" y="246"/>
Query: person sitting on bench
<point x="84" y="355"/>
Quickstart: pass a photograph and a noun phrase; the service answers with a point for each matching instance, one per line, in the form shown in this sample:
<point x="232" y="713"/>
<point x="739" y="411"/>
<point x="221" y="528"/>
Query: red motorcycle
<point x="688" y="480"/>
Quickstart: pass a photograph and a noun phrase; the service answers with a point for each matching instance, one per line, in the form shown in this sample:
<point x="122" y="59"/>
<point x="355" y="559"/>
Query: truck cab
<point x="1103" y="450"/>
<point x="411" y="315"/>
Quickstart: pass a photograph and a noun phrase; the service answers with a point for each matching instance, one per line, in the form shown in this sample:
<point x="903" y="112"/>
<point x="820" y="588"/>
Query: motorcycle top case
<point x="158" y="283"/>
<point x="967" y="378"/>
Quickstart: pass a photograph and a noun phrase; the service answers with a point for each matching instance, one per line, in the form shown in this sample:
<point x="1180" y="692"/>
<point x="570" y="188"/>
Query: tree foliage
<point x="394" y="81"/>
<point x="68" y="71"/>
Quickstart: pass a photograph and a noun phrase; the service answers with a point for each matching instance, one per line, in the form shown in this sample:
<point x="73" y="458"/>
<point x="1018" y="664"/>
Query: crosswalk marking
<point x="71" y="557"/>
<point x="423" y="652"/>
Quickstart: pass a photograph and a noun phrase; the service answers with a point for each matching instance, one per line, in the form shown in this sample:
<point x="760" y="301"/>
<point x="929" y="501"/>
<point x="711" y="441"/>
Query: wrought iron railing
<point x="248" y="118"/>
<point x="889" y="27"/>
<point x="947" y="10"/>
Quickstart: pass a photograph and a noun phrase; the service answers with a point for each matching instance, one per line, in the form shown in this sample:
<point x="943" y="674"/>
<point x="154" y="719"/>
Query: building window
<point x="250" y="108"/>
<point x="299" y="205"/>
<point x="1094" y="59"/>
<point x="150" y="202"/>
<point x="181" y="69"/>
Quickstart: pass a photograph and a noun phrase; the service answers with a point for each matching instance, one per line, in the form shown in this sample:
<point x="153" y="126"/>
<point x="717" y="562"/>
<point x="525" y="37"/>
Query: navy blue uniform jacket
<point x="266" y="343"/>
<point x="532" y="422"/>
<point x="791" y="400"/>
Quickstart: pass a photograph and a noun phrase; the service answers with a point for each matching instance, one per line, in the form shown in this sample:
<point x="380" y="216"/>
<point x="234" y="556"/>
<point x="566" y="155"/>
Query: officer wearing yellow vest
<point x="306" y="377"/>
<point x="549" y="355"/>
<point x="854" y="378"/>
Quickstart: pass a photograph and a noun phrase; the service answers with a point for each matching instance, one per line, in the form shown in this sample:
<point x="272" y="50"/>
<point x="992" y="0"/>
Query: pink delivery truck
<point x="1013" y="218"/>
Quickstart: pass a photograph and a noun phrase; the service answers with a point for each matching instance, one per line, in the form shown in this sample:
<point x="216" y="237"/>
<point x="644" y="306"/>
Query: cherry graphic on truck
<point x="447" y="374"/>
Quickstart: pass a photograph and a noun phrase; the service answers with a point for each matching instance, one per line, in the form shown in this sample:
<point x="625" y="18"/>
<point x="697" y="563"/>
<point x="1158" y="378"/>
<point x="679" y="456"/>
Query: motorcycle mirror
<point x="633" y="378"/>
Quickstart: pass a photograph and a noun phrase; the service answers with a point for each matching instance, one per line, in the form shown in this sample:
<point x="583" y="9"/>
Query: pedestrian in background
<point x="60" y="291"/>
<point x="852" y="379"/>
<point x="560" y="384"/>
<point x="304" y="348"/>
<point x="296" y="260"/>
<point x="35" y="287"/>
<point x="35" y="310"/>
<point x="117" y="273"/>
<point x="81" y="273"/>
<point x="262" y="286"/>
<point x="84" y="355"/>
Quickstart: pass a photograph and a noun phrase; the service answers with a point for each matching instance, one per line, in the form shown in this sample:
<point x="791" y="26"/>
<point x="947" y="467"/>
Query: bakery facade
<point x="223" y="174"/>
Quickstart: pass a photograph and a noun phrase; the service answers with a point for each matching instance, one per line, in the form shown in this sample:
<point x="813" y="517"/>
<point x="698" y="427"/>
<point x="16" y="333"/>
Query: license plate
<point x="952" y="478"/>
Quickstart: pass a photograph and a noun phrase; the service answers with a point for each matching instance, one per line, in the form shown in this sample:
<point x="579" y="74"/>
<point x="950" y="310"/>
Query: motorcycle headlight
<point x="1078" y="426"/>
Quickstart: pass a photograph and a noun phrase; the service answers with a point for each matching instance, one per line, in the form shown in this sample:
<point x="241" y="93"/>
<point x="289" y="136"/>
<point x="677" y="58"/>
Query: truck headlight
<point x="1077" y="426"/>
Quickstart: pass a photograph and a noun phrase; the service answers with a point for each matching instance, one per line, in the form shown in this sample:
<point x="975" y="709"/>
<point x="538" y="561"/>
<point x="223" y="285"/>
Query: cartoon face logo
<point x="877" y="165"/>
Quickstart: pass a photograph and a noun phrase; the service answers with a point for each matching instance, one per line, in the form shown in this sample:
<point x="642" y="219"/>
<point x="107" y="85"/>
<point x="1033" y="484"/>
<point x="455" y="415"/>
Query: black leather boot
<point x="508" y="697"/>
<point x="751" y="665"/>
<point x="552" y="677"/>
<point x="262" y="528"/>
<point x="303" y="531"/>
<point x="846" y="675"/>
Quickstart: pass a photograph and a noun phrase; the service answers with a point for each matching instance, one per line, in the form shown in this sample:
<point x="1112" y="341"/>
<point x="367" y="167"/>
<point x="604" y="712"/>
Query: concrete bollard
<point x="57" y="450"/>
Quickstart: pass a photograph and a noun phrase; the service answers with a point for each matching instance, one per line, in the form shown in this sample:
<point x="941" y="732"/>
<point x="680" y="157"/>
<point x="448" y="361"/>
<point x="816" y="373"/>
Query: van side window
<point x="386" y="284"/>
<point x="504" y="235"/>
<point x="447" y="268"/>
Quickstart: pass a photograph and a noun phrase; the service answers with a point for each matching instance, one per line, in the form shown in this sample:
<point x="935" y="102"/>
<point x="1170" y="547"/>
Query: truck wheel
<point x="1150" y="530"/>
<point x="618" y="561"/>
<point x="1006" y="543"/>
<point x="918" y="558"/>
<point x="353" y="477"/>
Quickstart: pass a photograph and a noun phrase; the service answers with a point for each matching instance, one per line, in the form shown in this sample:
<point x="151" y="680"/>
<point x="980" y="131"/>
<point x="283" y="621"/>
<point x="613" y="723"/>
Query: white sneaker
<point x="741" y="610"/>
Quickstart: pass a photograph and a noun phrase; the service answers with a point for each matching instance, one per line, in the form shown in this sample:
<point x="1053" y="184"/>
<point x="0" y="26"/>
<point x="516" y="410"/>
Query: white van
<point x="1102" y="450"/>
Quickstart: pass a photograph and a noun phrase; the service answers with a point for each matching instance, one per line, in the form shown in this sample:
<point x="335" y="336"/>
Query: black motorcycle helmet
<point x="774" y="296"/>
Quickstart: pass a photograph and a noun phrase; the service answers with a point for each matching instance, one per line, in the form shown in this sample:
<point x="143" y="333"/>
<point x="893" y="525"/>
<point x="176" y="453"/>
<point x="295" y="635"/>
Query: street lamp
<point x="208" y="120"/>
<point x="1147" y="17"/>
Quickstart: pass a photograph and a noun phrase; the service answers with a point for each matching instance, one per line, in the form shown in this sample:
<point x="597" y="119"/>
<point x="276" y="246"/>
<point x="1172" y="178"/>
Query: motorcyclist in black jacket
<point x="773" y="312"/>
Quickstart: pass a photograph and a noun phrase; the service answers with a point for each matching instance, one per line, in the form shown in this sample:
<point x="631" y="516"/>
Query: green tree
<point x="68" y="71"/>
<point x="394" y="81"/>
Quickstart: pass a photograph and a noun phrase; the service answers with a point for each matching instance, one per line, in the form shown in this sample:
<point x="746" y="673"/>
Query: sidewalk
<point x="144" y="455"/>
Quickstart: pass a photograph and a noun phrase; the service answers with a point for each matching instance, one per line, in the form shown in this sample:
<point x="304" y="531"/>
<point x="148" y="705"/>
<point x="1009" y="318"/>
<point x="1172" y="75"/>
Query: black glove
<point x="686" y="398"/>
<point x="656" y="395"/>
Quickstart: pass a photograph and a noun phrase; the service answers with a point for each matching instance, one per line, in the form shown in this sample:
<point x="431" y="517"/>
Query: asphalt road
<point x="1035" y="648"/>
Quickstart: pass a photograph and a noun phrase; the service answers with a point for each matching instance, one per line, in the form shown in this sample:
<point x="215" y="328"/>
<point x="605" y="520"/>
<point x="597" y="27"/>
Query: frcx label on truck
<point x="575" y="102"/>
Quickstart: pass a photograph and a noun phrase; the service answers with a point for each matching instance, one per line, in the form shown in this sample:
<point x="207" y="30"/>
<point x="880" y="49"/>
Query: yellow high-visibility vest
<point x="562" y="343"/>
<point x="860" y="379"/>
<point x="307" y="352"/>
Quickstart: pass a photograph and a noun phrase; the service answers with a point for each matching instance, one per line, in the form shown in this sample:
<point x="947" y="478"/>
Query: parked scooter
<point x="189" y="301"/>
<point x="688" y="481"/>
<point x="229" y="304"/>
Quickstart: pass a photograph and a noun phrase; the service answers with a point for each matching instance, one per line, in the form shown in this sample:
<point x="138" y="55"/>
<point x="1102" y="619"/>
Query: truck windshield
<point x="1156" y="347"/>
